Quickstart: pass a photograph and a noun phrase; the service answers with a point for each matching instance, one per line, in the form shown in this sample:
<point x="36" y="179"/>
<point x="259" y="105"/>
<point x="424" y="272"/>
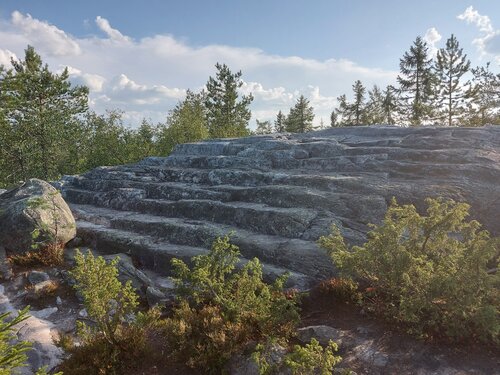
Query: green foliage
<point x="428" y="272"/>
<point x="226" y="116"/>
<point x="12" y="354"/>
<point x="312" y="358"/>
<point x="416" y="83"/>
<point x="186" y="123"/>
<point x="39" y="119"/>
<point x="221" y="308"/>
<point x="301" y="116"/>
<point x="450" y="66"/>
<point x="106" y="300"/>
<point x="280" y="123"/>
<point x="264" y="127"/>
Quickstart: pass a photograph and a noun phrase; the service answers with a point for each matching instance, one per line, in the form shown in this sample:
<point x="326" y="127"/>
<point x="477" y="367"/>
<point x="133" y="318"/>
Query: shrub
<point x="312" y="358"/>
<point x="343" y="289"/>
<point x="12" y="354"/>
<point x="430" y="272"/>
<point x="106" y="300"/>
<point x="52" y="255"/>
<point x="222" y="309"/>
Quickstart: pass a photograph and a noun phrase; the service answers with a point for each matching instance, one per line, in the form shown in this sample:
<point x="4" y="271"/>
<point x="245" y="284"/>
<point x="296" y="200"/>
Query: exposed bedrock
<point x="277" y="194"/>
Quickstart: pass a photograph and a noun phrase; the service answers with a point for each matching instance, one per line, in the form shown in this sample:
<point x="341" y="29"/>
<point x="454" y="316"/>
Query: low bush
<point x="430" y="273"/>
<point x="222" y="309"/>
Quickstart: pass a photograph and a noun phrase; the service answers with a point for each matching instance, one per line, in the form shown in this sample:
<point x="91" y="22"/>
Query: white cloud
<point x="488" y="43"/>
<point x="113" y="34"/>
<point x="432" y="37"/>
<point x="6" y="56"/>
<point x="151" y="74"/>
<point x="49" y="38"/>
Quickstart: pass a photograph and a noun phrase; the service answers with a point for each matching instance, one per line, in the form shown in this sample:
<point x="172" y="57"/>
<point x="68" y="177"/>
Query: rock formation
<point x="34" y="205"/>
<point x="276" y="194"/>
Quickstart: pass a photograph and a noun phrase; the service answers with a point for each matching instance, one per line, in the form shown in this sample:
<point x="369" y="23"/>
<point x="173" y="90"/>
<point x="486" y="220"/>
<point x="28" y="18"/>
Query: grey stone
<point x="19" y="217"/>
<point x="127" y="271"/>
<point x="35" y="277"/>
<point x="155" y="296"/>
<point x="44" y="313"/>
<point x="59" y="301"/>
<point x="5" y="268"/>
<point x="2" y="191"/>
<point x="277" y="194"/>
<point x="321" y="333"/>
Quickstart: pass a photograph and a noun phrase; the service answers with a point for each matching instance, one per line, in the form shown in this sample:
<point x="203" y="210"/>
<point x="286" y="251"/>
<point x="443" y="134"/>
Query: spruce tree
<point x="226" y="116"/>
<point x="358" y="106"/>
<point x="416" y="83"/>
<point x="374" y="111"/>
<point x="450" y="66"/>
<point x="389" y="105"/>
<point x="280" y="123"/>
<point x="301" y="116"/>
<point x="334" y="119"/>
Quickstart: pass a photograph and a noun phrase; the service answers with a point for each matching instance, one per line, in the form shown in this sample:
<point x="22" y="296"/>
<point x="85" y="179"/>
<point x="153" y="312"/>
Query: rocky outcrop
<point x="277" y="194"/>
<point x="34" y="205"/>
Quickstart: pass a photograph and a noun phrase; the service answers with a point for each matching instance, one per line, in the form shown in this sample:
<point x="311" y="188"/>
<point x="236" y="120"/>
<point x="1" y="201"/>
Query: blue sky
<point x="141" y="56"/>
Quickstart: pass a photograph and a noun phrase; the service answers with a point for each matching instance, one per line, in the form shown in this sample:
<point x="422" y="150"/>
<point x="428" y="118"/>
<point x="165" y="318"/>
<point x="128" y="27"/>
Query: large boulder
<point x="34" y="205"/>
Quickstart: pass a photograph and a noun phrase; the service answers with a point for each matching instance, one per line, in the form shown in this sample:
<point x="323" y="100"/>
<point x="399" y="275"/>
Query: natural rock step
<point x="294" y="254"/>
<point x="156" y="255"/>
<point x="287" y="222"/>
<point x="369" y="209"/>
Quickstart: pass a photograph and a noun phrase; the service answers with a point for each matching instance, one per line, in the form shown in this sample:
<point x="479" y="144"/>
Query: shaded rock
<point x="244" y="364"/>
<point x="127" y="271"/>
<point x="35" y="277"/>
<point x="155" y="296"/>
<point x="44" y="313"/>
<point x="21" y="214"/>
<point x="5" y="268"/>
<point x="324" y="334"/>
<point x="2" y="191"/>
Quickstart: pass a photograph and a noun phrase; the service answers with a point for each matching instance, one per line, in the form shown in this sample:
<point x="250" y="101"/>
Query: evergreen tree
<point x="358" y="106"/>
<point x="187" y="122"/>
<point x="484" y="95"/>
<point x="301" y="116"/>
<point x="450" y="66"/>
<point x="334" y="119"/>
<point x="389" y="105"/>
<point x="352" y="114"/>
<point x="264" y="127"/>
<point x="226" y="116"/>
<point x="374" y="110"/>
<point x="280" y="123"/>
<point x="416" y="83"/>
<point x="40" y="114"/>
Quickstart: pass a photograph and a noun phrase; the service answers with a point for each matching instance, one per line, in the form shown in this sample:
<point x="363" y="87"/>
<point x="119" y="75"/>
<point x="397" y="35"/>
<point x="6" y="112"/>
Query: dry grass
<point x="50" y="255"/>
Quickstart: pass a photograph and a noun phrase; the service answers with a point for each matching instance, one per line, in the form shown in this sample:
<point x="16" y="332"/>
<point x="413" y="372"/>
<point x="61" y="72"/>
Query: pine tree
<point x="226" y="116"/>
<point x="280" y="123"/>
<point x="301" y="116"/>
<point x="374" y="110"/>
<point x="40" y="117"/>
<point x="450" y="66"/>
<point x="264" y="127"/>
<point x="484" y="95"/>
<point x="416" y="83"/>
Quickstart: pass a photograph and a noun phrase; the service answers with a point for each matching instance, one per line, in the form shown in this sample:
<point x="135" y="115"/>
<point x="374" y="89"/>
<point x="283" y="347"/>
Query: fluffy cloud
<point x="488" y="43"/>
<point x="432" y="37"/>
<point x="146" y="77"/>
<point x="49" y="38"/>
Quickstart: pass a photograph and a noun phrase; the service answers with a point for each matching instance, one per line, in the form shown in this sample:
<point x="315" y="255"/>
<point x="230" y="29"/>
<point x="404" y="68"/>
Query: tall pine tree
<point x="450" y="66"/>
<point x="374" y="113"/>
<point x="389" y="105"/>
<point x="416" y="83"/>
<point x="226" y="116"/>
<point x="301" y="116"/>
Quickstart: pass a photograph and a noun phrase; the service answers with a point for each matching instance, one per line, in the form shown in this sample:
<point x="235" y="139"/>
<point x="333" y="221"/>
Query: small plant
<point x="221" y="309"/>
<point x="312" y="358"/>
<point x="106" y="300"/>
<point x="52" y="255"/>
<point x="430" y="273"/>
